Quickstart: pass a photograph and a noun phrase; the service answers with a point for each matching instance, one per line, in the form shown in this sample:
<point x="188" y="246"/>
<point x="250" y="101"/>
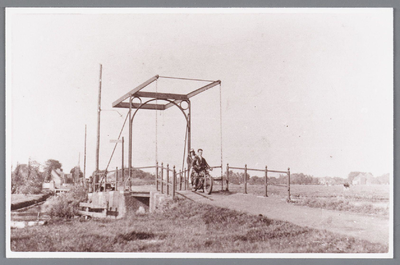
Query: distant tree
<point x="272" y="181"/>
<point x="137" y="173"/>
<point x="299" y="179"/>
<point x="255" y="180"/>
<point x="282" y="179"/>
<point x="339" y="181"/>
<point x="384" y="179"/>
<point x="315" y="181"/>
<point x="50" y="165"/>
<point x="234" y="177"/>
<point x="77" y="174"/>
<point x="27" y="178"/>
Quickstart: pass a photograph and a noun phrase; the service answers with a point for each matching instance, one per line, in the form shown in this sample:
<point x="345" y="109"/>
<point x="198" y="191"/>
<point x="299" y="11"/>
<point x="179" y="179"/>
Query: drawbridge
<point x="168" y="180"/>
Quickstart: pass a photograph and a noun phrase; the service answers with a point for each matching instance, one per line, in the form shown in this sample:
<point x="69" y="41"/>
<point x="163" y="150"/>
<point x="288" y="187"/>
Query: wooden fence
<point x="266" y="170"/>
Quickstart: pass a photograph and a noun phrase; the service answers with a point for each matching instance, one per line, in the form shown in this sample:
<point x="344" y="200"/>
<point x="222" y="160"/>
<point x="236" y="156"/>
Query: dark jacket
<point x="200" y="164"/>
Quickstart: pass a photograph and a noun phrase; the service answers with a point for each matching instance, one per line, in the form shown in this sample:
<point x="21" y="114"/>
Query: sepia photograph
<point x="199" y="133"/>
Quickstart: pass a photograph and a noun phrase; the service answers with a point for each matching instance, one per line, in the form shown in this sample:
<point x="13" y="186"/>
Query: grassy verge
<point x="185" y="226"/>
<point x="369" y="200"/>
<point x="338" y="204"/>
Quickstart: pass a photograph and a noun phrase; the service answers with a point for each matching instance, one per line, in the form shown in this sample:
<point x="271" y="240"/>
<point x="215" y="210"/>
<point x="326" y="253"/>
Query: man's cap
<point x="192" y="150"/>
<point x="199" y="149"/>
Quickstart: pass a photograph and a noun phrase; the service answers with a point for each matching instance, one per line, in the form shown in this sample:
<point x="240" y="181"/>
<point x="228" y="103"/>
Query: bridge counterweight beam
<point x="136" y="89"/>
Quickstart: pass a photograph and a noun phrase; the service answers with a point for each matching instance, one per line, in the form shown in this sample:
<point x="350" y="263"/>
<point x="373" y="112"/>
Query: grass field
<point x="185" y="226"/>
<point x="371" y="200"/>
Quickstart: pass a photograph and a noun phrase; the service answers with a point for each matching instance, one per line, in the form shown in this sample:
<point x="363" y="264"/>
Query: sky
<point x="309" y="89"/>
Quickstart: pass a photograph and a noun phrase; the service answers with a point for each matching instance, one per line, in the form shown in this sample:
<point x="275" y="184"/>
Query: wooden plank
<point x="137" y="105"/>
<point x="277" y="171"/>
<point x="93" y="214"/>
<point x="98" y="207"/>
<point x="254" y="169"/>
<point x="159" y="95"/>
<point x="240" y="168"/>
<point x="136" y="89"/>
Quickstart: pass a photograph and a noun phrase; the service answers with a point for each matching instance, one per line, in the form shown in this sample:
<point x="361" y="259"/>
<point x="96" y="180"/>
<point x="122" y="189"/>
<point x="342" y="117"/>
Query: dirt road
<point x="372" y="229"/>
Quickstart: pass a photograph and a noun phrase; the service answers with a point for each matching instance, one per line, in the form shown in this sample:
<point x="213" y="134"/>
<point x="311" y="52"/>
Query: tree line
<point x="304" y="179"/>
<point x="29" y="178"/>
<point x="295" y="178"/>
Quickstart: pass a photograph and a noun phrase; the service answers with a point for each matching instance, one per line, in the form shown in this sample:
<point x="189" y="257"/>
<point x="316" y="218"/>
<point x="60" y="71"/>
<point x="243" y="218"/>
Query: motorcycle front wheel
<point x="208" y="184"/>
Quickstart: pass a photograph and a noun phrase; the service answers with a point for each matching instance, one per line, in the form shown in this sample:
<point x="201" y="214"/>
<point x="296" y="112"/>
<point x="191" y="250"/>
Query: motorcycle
<point x="205" y="183"/>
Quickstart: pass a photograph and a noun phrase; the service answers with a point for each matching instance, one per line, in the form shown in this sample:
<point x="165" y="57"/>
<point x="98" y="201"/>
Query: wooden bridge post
<point x="167" y="179"/>
<point x="105" y="181"/>
<point x="266" y="181"/>
<point x="173" y="183"/>
<point x="185" y="179"/>
<point x="116" y="178"/>
<point x="245" y="179"/>
<point x="94" y="182"/>
<point x="288" y="184"/>
<point x="222" y="177"/>
<point x="90" y="184"/>
<point x="157" y="175"/>
<point x="162" y="178"/>
<point x="227" y="177"/>
<point x="123" y="179"/>
<point x="180" y="179"/>
<point x="122" y="166"/>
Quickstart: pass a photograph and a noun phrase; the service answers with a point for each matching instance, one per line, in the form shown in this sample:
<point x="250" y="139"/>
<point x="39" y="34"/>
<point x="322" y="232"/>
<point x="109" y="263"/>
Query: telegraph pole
<point x="123" y="172"/>
<point x="84" y="163"/>
<point x="98" y="127"/>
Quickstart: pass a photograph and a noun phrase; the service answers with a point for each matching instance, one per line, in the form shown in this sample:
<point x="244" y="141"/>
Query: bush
<point x="77" y="193"/>
<point x="66" y="205"/>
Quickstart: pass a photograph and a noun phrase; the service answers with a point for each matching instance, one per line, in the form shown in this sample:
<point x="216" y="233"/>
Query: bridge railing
<point x="180" y="178"/>
<point x="170" y="179"/>
<point x="265" y="170"/>
<point x="117" y="182"/>
<point x="167" y="180"/>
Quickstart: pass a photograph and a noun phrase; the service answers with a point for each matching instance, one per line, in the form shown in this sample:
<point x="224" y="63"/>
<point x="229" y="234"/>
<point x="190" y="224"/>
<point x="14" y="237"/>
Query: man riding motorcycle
<point x="200" y="166"/>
